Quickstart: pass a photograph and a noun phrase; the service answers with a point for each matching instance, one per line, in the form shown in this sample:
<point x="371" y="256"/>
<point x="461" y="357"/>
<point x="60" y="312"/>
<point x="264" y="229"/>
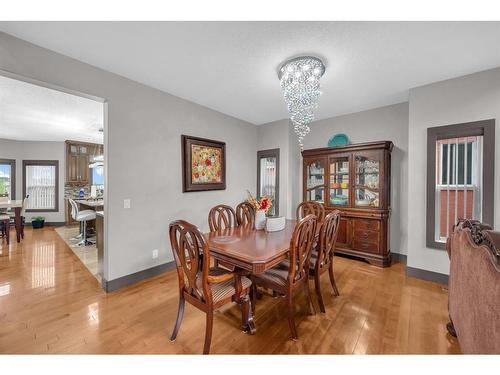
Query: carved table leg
<point x="247" y="323"/>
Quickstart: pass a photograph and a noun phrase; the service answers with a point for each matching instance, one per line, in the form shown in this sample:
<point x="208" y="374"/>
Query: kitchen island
<point x="91" y="203"/>
<point x="99" y="230"/>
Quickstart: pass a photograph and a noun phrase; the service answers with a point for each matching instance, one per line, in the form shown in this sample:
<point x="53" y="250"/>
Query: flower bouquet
<point x="261" y="206"/>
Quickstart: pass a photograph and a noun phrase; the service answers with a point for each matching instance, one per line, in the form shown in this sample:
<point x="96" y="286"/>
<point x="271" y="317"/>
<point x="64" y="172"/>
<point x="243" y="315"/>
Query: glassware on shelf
<point x="315" y="174"/>
<point x="339" y="181"/>
<point x="317" y="194"/>
<point x="316" y="181"/>
<point x="366" y="197"/>
<point x="367" y="172"/>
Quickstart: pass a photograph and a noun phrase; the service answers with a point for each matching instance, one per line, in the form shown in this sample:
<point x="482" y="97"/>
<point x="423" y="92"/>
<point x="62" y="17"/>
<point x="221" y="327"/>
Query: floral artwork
<point x="203" y="164"/>
<point x="206" y="165"/>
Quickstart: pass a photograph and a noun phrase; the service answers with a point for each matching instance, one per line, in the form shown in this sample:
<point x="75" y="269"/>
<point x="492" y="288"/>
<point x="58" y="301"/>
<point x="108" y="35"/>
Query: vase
<point x="260" y="219"/>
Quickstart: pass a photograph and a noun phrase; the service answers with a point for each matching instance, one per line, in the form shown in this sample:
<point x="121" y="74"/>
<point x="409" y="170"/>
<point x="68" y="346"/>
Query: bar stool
<point x="82" y="217"/>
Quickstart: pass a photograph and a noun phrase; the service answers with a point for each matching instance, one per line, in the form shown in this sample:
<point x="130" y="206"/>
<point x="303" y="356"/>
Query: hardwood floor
<point x="50" y="303"/>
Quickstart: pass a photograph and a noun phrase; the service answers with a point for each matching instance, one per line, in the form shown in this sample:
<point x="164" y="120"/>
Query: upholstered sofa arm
<point x="474" y="287"/>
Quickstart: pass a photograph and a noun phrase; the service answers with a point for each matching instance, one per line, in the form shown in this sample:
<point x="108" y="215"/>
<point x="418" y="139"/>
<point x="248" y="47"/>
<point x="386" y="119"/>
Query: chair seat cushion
<point x="277" y="276"/>
<point x="86" y="215"/>
<point x="4" y="217"/>
<point x="221" y="291"/>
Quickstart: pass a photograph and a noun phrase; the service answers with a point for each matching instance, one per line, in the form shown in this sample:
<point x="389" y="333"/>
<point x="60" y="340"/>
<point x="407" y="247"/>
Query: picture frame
<point x="203" y="164"/>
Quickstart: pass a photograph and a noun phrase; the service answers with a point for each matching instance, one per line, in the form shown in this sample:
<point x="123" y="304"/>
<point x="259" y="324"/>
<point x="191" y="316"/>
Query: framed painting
<point x="203" y="164"/>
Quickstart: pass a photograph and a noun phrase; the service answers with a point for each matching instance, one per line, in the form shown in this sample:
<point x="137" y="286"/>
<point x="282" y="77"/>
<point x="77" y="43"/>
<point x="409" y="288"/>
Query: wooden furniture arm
<point x="220" y="278"/>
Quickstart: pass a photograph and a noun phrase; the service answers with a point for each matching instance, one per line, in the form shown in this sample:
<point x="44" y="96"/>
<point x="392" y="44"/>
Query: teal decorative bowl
<point x="338" y="140"/>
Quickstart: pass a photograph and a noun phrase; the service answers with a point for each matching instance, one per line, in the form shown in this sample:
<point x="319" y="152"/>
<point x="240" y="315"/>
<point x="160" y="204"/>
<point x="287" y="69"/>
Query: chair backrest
<point x="245" y="214"/>
<point x="74" y="208"/>
<point x="310" y="207"/>
<point x="301" y="247"/>
<point x="23" y="207"/>
<point x="327" y="238"/>
<point x="221" y="217"/>
<point x="192" y="259"/>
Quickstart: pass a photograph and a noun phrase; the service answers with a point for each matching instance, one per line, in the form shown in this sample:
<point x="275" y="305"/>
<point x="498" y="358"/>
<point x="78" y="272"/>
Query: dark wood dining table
<point x="250" y="251"/>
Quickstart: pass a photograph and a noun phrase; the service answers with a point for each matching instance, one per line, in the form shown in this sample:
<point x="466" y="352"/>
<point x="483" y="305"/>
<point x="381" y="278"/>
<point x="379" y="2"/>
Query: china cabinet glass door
<point x="339" y="181"/>
<point x="367" y="184"/>
<point x="315" y="180"/>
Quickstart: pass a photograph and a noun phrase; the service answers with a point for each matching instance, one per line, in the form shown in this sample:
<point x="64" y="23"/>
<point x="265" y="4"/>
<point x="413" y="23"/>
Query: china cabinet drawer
<point x="366" y="236"/>
<point x="363" y="245"/>
<point x="360" y="224"/>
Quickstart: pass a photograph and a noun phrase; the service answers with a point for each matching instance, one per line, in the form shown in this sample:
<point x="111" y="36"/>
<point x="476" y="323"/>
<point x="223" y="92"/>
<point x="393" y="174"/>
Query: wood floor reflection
<point x="50" y="303"/>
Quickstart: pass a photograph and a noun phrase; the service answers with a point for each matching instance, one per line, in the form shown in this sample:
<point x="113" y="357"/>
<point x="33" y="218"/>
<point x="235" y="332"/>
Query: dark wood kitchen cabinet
<point x="77" y="163"/>
<point x="354" y="179"/>
<point x="78" y="157"/>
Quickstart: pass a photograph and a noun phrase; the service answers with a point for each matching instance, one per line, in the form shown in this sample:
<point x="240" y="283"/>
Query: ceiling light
<point x="301" y="91"/>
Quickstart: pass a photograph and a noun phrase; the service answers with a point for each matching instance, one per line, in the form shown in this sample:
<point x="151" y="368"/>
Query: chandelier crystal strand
<point x="300" y="83"/>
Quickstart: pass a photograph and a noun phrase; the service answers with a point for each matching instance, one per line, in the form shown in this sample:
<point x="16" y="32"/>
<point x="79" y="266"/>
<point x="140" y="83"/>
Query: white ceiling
<point x="231" y="66"/>
<point x="33" y="113"/>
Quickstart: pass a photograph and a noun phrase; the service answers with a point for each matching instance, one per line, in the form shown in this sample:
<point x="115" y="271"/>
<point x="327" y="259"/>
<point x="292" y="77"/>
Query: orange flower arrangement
<point x="265" y="203"/>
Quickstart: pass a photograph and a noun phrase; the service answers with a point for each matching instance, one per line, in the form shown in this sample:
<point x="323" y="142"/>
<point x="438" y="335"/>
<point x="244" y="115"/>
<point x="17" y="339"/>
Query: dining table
<point x="250" y="251"/>
<point x="16" y="205"/>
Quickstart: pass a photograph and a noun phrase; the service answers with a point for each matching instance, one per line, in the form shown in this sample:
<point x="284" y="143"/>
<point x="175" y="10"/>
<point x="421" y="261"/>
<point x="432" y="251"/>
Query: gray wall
<point x="469" y="98"/>
<point x="385" y="123"/>
<point x="29" y="150"/>
<point x="143" y="153"/>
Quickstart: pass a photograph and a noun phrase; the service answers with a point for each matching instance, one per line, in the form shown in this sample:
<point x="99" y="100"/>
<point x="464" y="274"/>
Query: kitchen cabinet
<point x="78" y="156"/>
<point x="354" y="179"/>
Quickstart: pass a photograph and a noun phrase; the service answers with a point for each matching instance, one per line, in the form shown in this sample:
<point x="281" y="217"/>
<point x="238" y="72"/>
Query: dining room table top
<point x="8" y="203"/>
<point x="254" y="250"/>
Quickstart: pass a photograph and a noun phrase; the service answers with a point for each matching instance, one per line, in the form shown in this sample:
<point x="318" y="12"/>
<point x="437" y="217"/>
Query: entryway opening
<point x="52" y="174"/>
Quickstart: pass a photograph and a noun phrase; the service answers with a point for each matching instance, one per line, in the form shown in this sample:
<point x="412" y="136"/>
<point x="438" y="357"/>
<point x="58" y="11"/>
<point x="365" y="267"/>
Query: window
<point x="41" y="183"/>
<point x="459" y="177"/>
<point x="8" y="178"/>
<point x="98" y="175"/>
<point x="268" y="162"/>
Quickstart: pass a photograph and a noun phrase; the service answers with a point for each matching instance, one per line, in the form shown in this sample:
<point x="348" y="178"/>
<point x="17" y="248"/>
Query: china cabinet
<point x="354" y="179"/>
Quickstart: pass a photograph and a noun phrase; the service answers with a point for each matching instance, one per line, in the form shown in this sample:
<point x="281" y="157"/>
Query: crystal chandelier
<point x="299" y="78"/>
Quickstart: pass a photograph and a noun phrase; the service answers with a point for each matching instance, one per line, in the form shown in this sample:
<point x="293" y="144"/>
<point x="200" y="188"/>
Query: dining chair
<point x="288" y="281"/>
<point x="245" y="214"/>
<point x="5" y="227"/>
<point x="4" y="198"/>
<point x="310" y="207"/>
<point x="322" y="259"/>
<point x="322" y="255"/>
<point x="204" y="287"/>
<point x="221" y="217"/>
<point x="22" y="214"/>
